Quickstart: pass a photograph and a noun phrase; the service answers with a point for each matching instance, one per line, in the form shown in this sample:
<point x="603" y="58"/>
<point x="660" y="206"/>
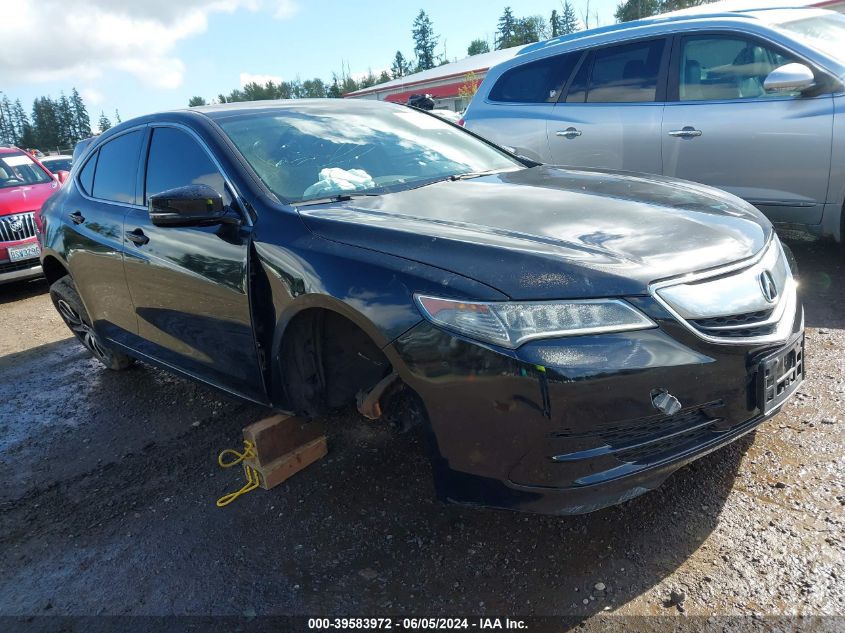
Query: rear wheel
<point x="69" y="306"/>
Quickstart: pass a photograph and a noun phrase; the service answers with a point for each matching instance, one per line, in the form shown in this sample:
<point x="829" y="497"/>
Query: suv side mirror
<point x="62" y="176"/>
<point x="192" y="205"/>
<point x="789" y="78"/>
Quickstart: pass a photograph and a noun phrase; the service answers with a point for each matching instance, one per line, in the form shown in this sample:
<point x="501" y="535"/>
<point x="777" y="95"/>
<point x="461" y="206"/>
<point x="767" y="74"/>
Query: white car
<point x="57" y="163"/>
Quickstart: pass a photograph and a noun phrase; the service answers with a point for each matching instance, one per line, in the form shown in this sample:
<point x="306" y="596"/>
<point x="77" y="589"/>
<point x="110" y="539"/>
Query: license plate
<point x="780" y="375"/>
<point x="27" y="251"/>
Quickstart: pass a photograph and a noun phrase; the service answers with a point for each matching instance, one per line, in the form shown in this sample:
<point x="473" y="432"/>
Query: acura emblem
<point x="767" y="285"/>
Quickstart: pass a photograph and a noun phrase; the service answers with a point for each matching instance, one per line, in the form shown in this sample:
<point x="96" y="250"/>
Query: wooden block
<point x="279" y="470"/>
<point x="278" y="435"/>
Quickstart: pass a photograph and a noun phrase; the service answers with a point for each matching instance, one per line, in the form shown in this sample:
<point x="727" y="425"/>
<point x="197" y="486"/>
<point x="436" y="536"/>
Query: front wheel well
<point x="325" y="360"/>
<point x="53" y="269"/>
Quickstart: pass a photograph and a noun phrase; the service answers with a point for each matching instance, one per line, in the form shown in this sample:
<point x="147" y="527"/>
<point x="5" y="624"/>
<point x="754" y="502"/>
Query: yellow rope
<point x="252" y="478"/>
<point x="252" y="482"/>
<point x="249" y="453"/>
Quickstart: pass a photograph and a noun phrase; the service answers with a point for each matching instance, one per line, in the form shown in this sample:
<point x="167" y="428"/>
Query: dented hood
<point x="547" y="232"/>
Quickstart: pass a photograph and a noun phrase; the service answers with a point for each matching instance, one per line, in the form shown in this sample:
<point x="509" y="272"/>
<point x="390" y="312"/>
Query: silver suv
<point x="751" y="102"/>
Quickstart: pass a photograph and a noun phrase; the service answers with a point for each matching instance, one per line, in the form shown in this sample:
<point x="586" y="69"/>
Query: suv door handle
<point x="687" y="132"/>
<point x="569" y="132"/>
<point x="137" y="237"/>
<point x="77" y="218"/>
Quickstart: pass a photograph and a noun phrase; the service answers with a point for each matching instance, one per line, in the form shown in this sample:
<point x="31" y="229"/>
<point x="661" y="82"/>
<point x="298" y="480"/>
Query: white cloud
<point x="80" y="40"/>
<point x="90" y="95"/>
<point x="285" y="9"/>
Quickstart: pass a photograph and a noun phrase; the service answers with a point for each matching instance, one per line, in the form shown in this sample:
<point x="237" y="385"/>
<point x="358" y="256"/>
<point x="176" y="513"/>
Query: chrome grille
<point x="751" y="302"/>
<point x="20" y="226"/>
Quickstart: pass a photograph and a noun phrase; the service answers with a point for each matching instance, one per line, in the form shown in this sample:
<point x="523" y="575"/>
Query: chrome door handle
<point x="687" y="132"/>
<point x="569" y="132"/>
<point x="137" y="237"/>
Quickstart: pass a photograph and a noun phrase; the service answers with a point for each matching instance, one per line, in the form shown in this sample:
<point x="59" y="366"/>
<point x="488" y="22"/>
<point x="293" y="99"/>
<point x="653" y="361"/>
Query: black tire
<point x="70" y="308"/>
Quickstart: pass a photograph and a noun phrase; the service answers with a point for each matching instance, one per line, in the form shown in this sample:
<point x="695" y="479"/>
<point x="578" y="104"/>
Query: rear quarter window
<point x="535" y="82"/>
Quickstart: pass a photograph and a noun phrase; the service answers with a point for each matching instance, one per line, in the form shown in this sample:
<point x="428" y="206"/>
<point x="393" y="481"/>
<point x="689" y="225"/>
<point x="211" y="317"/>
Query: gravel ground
<point x="110" y="483"/>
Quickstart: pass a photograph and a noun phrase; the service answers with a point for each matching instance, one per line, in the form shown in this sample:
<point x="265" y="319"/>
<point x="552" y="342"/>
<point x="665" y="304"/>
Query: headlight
<point x="511" y="324"/>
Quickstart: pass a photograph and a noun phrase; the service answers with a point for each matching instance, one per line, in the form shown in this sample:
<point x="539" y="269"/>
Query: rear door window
<point x="535" y="82"/>
<point x="628" y="73"/>
<point x="117" y="168"/>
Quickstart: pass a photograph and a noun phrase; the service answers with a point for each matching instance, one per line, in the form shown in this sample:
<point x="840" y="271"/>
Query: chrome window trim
<point x="785" y="308"/>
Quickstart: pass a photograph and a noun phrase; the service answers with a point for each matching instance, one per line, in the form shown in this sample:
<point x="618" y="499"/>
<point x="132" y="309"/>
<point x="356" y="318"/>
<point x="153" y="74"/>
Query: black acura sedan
<point x="569" y="338"/>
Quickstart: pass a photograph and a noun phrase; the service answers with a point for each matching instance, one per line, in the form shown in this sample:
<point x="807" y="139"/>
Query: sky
<point x="141" y="56"/>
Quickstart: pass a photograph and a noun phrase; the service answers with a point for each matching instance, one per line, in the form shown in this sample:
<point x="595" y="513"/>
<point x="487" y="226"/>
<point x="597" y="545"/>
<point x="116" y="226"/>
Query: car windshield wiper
<point x="474" y="174"/>
<point x="339" y="197"/>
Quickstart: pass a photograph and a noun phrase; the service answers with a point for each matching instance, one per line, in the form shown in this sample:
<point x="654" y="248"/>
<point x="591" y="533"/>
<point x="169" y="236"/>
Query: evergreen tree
<point x="528" y="30"/>
<point x="568" y="20"/>
<point x="506" y="29"/>
<point x="554" y="23"/>
<point x="7" y="124"/>
<point x="104" y="123"/>
<point x="334" y="90"/>
<point x="478" y="46"/>
<point x="425" y="41"/>
<point x="384" y="76"/>
<point x="117" y="118"/>
<point x="21" y="121"/>
<point x="637" y="9"/>
<point x="67" y="129"/>
<point x="45" y="121"/>
<point x="400" y="66"/>
<point x="81" y="120"/>
<point x="193" y="102"/>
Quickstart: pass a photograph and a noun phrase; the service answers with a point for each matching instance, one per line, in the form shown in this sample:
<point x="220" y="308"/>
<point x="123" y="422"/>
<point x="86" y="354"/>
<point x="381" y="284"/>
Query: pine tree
<point x="554" y="23"/>
<point x="81" y="120"/>
<point x="506" y="29"/>
<point x="45" y="121"/>
<point x="568" y="20"/>
<point x="21" y="121"/>
<point x="400" y="66"/>
<point x="528" y="30"/>
<point x="66" y="133"/>
<point x="478" y="46"/>
<point x="7" y="125"/>
<point x="196" y="101"/>
<point x="117" y="118"/>
<point x="104" y="123"/>
<point x="425" y="41"/>
<point x="637" y="9"/>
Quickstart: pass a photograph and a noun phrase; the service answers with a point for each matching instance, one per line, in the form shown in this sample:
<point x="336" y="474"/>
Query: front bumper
<point x="20" y="271"/>
<point x="568" y="426"/>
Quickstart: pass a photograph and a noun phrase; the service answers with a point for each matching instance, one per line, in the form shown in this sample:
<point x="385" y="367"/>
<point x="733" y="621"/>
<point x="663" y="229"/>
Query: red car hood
<point x="26" y="197"/>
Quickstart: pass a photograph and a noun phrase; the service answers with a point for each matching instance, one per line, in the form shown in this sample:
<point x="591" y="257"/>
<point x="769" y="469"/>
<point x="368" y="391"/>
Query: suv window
<point x="626" y="73"/>
<point x="716" y="68"/>
<point x="177" y="160"/>
<point x="535" y="82"/>
<point x="117" y="168"/>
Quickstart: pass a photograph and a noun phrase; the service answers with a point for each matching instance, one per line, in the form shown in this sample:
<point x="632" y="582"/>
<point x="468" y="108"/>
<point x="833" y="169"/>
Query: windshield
<point x="57" y="164"/>
<point x="331" y="150"/>
<point x="825" y="32"/>
<point x="18" y="169"/>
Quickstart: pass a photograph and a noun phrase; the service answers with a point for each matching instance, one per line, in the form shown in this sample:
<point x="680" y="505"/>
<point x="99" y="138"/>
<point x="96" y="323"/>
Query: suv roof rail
<point x="657" y="19"/>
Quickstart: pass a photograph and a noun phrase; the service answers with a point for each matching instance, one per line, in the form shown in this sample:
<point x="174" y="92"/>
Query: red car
<point x="24" y="186"/>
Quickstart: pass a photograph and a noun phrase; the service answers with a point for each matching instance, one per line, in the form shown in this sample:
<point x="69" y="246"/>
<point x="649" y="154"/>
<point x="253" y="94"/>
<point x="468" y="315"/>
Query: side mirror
<point x="789" y="78"/>
<point x="62" y="176"/>
<point x="192" y="205"/>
